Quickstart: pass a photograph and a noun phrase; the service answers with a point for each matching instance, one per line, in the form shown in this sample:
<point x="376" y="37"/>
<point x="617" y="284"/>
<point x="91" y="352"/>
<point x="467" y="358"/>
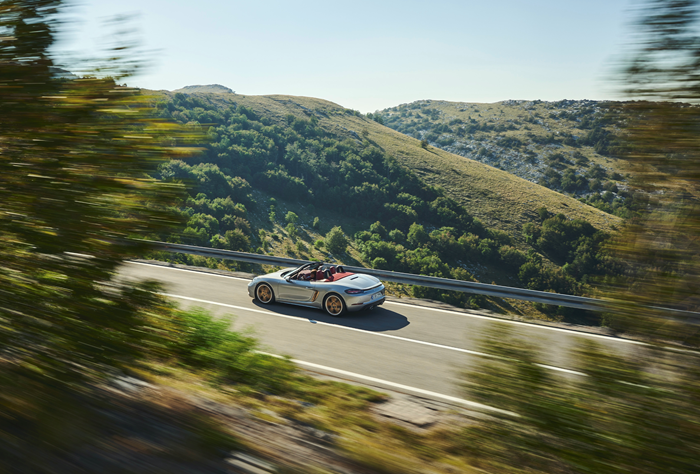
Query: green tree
<point x="291" y="217"/>
<point x="379" y="263"/>
<point x="75" y="165"/>
<point x="237" y="241"/>
<point x="397" y="236"/>
<point x="218" y="242"/>
<point x="417" y="235"/>
<point x="512" y="257"/>
<point x="292" y="231"/>
<point x="336" y="242"/>
<point x="378" y="229"/>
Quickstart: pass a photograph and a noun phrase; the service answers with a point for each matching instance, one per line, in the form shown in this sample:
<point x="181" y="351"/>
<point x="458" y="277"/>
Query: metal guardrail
<point x="564" y="300"/>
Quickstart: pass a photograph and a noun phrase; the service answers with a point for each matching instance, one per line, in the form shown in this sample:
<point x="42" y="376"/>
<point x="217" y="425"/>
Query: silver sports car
<point x="319" y="285"/>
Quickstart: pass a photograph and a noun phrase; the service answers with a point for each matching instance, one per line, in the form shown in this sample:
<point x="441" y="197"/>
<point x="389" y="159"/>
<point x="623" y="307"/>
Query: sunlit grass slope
<point x="500" y="199"/>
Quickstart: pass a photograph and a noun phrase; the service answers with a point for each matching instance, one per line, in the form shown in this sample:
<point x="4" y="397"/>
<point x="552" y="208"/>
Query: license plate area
<point x="376" y="296"/>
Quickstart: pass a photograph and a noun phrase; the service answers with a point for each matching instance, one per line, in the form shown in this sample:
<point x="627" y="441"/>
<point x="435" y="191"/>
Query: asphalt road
<point x="415" y="349"/>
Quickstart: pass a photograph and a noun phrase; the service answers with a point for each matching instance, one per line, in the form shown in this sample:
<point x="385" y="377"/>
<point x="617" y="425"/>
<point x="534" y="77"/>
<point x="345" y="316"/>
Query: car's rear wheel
<point x="334" y="305"/>
<point x="264" y="294"/>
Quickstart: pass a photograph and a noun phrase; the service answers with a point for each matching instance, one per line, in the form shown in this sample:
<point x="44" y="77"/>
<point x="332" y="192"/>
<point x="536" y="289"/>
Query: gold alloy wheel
<point x="334" y="305"/>
<point x="264" y="293"/>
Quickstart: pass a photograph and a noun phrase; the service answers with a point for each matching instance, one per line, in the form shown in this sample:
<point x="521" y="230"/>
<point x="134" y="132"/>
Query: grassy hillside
<point x="500" y="199"/>
<point x="281" y="174"/>
<point x="497" y="197"/>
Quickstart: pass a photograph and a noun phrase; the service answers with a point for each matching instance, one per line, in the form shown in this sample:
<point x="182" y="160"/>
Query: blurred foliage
<point x="47" y="428"/>
<point x="226" y="356"/>
<point x="662" y="248"/>
<point x="75" y="159"/>
<point x="638" y="412"/>
<point x="635" y="413"/>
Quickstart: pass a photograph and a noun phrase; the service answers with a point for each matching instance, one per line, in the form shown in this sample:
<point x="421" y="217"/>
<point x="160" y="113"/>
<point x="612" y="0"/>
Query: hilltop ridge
<point x="208" y="89"/>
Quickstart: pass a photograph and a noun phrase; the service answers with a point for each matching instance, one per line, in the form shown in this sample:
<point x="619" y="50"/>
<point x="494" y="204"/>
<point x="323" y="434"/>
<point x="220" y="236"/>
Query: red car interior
<point x="331" y="274"/>
<point x="340" y="275"/>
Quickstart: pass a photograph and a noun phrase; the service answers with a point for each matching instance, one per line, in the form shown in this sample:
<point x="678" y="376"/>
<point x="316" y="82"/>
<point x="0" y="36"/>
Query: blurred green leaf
<point x="76" y="157"/>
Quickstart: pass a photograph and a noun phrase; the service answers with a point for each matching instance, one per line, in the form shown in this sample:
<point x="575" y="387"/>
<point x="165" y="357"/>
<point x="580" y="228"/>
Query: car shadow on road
<point x="378" y="320"/>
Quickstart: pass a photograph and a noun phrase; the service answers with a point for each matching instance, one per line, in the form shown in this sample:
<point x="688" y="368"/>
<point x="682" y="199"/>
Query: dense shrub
<point x="512" y="257"/>
<point x="417" y="235"/>
<point x="232" y="357"/>
<point x="336" y="242"/>
<point x="397" y="236"/>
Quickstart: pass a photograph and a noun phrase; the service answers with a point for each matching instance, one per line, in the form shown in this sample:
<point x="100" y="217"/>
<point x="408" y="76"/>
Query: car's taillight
<point x="353" y="291"/>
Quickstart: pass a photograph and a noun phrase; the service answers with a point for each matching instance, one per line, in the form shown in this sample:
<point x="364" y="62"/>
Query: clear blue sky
<point x="369" y="55"/>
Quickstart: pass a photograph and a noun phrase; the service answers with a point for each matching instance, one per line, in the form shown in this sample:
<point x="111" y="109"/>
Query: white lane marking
<point x="556" y="368"/>
<point x="512" y="322"/>
<point x="384" y="382"/>
<point x="452" y="312"/>
<point x="341" y="327"/>
<point x="238" y="307"/>
<point x="188" y="270"/>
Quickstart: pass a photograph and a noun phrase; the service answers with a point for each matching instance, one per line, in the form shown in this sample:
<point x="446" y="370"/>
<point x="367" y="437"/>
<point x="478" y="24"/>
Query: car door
<point x="296" y="291"/>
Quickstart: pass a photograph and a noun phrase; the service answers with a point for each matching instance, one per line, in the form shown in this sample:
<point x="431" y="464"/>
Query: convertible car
<point x="319" y="285"/>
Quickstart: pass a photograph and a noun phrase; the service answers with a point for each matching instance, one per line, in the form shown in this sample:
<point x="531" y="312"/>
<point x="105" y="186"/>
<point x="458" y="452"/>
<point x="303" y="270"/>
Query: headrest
<point x="332" y="270"/>
<point x="320" y="275"/>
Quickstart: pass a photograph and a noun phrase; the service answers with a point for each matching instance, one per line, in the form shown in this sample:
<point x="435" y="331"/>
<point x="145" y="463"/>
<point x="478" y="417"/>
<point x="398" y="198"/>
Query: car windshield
<point x="293" y="271"/>
<point x="308" y="266"/>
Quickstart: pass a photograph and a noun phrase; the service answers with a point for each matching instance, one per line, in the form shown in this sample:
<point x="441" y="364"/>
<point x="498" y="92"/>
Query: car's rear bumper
<point x="359" y="302"/>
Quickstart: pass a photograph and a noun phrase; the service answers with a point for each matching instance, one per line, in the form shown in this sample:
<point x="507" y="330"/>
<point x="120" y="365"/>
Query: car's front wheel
<point x="334" y="305"/>
<point x="264" y="294"/>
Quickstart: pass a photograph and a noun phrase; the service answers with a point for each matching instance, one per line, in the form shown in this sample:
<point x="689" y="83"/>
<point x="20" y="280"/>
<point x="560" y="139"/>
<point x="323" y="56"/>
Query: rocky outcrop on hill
<point x="536" y="140"/>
